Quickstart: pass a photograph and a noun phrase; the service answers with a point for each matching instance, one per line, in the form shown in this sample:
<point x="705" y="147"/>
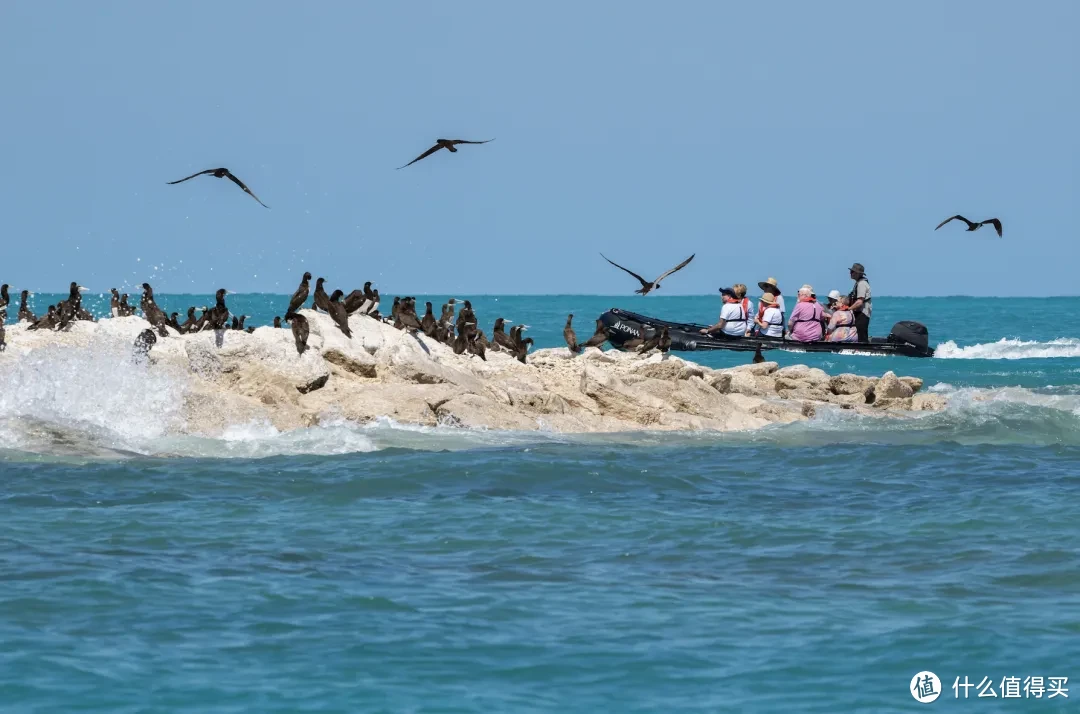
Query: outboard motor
<point x="913" y="333"/>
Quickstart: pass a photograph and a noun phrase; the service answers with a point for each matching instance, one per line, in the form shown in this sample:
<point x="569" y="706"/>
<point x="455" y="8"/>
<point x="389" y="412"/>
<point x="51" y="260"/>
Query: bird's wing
<point x="995" y="223"/>
<point x="247" y="190"/>
<point x="641" y="280"/>
<point x="463" y="141"/>
<point x="678" y="267"/>
<point x="424" y="155"/>
<point x="208" y="171"/>
<point x="953" y="219"/>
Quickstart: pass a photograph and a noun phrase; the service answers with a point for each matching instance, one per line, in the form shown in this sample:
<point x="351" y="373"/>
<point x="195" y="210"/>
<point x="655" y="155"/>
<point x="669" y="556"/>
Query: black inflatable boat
<point x="909" y="339"/>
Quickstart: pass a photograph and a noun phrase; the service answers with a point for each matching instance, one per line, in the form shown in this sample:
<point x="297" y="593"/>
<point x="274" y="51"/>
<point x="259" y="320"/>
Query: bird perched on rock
<point x="570" y="336"/>
<point x="338" y="314"/>
<point x="501" y="339"/>
<point x="173" y="322"/>
<point x="599" y="337"/>
<point x="448" y="144"/>
<point x="218" y="316"/>
<point x="521" y="346"/>
<point x="359" y="300"/>
<point x="221" y="173"/>
<point x="477" y="344"/>
<point x="648" y="286"/>
<point x="277" y="321"/>
<point x="407" y="317"/>
<point x="758" y="357"/>
<point x="24" y="312"/>
<point x="189" y="324"/>
<point x="300" y="330"/>
<point x="651" y="343"/>
<point x="321" y="300"/>
<point x="153" y="314"/>
<point x="144" y="342"/>
<point x="300" y="296"/>
<point x="126" y="310"/>
<point x="48" y="321"/>
<point x="114" y="303"/>
<point x="974" y="226"/>
<point x="665" y="341"/>
<point x="70" y="309"/>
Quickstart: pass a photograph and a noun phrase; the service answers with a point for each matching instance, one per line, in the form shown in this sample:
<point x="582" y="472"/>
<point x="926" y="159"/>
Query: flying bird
<point x="974" y="226"/>
<point x="648" y="286"/>
<point x="222" y="173"/>
<point x="447" y="144"/>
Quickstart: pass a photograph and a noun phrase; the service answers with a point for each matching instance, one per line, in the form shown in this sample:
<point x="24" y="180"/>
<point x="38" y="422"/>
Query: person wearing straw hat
<point x="771" y="321"/>
<point x="770" y="286"/>
<point x="805" y="323"/>
<point x="859" y="297"/>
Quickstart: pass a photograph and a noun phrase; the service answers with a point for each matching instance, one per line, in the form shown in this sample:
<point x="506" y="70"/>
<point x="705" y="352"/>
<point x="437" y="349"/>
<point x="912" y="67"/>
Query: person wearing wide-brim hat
<point x="860" y="300"/>
<point x="770" y="320"/>
<point x="770" y="286"/>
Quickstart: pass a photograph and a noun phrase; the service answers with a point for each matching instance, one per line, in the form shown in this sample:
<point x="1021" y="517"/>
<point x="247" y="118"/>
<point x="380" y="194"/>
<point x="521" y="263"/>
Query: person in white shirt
<point x="771" y="321"/>
<point x="733" y="318"/>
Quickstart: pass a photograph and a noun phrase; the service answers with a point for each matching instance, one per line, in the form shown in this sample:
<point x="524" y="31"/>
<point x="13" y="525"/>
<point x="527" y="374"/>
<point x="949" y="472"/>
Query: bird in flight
<point x="648" y="286"/>
<point x="974" y="226"/>
<point x="447" y="144"/>
<point x="223" y="173"/>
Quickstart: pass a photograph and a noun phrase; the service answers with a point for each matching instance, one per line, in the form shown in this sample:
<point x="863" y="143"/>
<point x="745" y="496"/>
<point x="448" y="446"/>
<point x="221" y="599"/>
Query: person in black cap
<point x="733" y="318"/>
<point x="859" y="297"/>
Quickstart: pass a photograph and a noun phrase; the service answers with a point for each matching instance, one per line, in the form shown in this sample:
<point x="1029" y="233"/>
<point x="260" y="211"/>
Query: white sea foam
<point x="1011" y="349"/>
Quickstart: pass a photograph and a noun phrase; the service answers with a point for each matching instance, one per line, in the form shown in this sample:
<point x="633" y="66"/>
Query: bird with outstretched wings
<point x="648" y="286"/>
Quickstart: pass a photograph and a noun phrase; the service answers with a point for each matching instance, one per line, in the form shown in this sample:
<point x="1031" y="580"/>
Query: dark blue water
<point x="810" y="567"/>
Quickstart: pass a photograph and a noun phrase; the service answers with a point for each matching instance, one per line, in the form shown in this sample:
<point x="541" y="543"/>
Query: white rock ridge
<point x="234" y="377"/>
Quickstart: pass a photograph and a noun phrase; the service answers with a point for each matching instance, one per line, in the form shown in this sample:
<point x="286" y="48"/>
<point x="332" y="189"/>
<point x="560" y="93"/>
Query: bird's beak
<point x="82" y="289"/>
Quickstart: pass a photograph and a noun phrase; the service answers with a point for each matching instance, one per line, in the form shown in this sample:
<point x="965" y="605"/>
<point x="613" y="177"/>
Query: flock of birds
<point x="459" y="331"/>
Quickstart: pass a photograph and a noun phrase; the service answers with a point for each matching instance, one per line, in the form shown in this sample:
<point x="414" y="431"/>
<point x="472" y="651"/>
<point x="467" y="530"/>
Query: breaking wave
<point x="1011" y="349"/>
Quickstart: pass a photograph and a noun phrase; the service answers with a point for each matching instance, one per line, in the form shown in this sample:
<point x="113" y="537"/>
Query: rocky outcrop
<point x="233" y="377"/>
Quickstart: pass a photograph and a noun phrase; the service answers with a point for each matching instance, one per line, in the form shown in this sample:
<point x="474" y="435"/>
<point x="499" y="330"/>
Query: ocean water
<point x="386" y="568"/>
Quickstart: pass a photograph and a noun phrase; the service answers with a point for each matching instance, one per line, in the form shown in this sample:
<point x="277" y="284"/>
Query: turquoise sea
<point x="814" y="567"/>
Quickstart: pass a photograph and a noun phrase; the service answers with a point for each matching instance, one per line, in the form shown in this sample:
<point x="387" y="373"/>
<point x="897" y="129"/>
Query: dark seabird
<point x="665" y="341"/>
<point x="521" y="346"/>
<point x="974" y="226"/>
<point x="173" y="322"/>
<point x="300" y="296"/>
<point x="394" y="309"/>
<point x="359" y="300"/>
<point x="460" y="343"/>
<point x="125" y="309"/>
<point x="338" y="314"/>
<point x="235" y="323"/>
<point x="758" y="357"/>
<point x="300" y="330"/>
<point x="650" y="344"/>
<point x="407" y="314"/>
<point x="202" y="322"/>
<point x="114" y="302"/>
<point x="322" y="300"/>
<point x="599" y="337"/>
<point x="249" y="330"/>
<point x="4" y="301"/>
<point x="218" y="316"/>
<point x="477" y="344"/>
<point x="143" y="344"/>
<point x="68" y="310"/>
<point x="222" y="173"/>
<point x="49" y="321"/>
<point x="153" y="314"/>
<point x="570" y="336"/>
<point x="498" y="333"/>
<point x="448" y="144"/>
<point x="3" y="335"/>
<point x="277" y="321"/>
<point x="24" y="312"/>
<point x="646" y="285"/>
<point x="373" y="308"/>
<point x="428" y="324"/>
<point x="242" y="319"/>
<point x="189" y="324"/>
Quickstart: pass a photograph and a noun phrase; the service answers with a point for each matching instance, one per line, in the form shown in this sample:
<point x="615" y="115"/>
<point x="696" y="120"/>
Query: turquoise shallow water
<point x="812" y="567"/>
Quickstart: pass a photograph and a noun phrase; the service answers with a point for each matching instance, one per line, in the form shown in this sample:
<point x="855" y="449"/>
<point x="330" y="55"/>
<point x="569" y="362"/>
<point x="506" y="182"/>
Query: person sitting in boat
<point x="770" y="286"/>
<point x="842" y="323"/>
<point x="805" y="323"/>
<point x="733" y="318"/>
<point x="827" y="310"/>
<point x="740" y="295"/>
<point x="771" y="321"/>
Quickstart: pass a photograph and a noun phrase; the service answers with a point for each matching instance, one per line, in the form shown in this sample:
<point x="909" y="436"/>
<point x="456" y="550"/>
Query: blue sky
<point x="784" y="139"/>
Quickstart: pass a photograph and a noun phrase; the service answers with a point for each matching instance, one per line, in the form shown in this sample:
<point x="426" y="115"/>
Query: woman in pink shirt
<point x="805" y="323"/>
